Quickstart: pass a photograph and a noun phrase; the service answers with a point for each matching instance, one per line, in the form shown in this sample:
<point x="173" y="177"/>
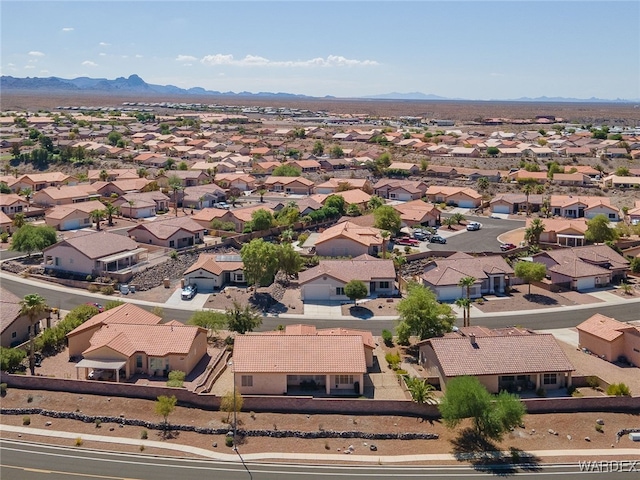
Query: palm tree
<point x="261" y="192"/>
<point x="385" y="238"/>
<point x="175" y="184"/>
<point x="32" y="305"/>
<point x="97" y="216"/>
<point x="420" y="390"/>
<point x="458" y="218"/>
<point x="103" y="175"/>
<point x="527" y="189"/>
<point x="110" y="210"/>
<point x="532" y="234"/>
<point x="467" y="283"/>
<point x="18" y="220"/>
<point x="27" y="193"/>
<point x="463" y="303"/>
<point x="449" y="222"/>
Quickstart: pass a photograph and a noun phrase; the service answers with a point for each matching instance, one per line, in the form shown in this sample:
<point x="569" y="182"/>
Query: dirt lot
<point x="534" y="436"/>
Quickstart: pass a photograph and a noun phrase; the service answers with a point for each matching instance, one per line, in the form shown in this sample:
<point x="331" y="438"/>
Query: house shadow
<point x="540" y="299"/>
<point x="485" y="456"/>
<point x="360" y="312"/>
<point x="266" y="303"/>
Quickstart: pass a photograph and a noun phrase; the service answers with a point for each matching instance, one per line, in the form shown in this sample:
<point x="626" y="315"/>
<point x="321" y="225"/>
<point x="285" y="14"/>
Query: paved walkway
<point x="328" y="457"/>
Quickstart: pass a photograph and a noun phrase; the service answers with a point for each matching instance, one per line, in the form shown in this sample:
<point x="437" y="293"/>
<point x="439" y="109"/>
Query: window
<point x="612" y="216"/>
<point x="14" y="334"/>
<point x="139" y="361"/>
<point x="549" y="379"/>
<point x="344" y="379"/>
<point x="384" y="284"/>
<point x="247" y="380"/>
<point x="339" y="291"/>
<point x="172" y="243"/>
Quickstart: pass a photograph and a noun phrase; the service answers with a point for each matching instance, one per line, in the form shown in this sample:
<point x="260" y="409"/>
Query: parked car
<point x="406" y="241"/>
<point x="189" y="292"/>
<point x="507" y="246"/>
<point x="472" y="226"/>
<point x="420" y="236"/>
<point x="124" y="289"/>
<point x="223" y="205"/>
<point x="97" y="305"/>
<point x="95" y="374"/>
<point x="438" y="239"/>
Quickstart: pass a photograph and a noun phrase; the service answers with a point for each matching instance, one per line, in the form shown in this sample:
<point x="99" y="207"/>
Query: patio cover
<point x="101" y="364"/>
<point x="120" y="256"/>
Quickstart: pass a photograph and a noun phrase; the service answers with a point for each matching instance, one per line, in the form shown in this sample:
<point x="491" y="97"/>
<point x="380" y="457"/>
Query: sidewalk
<point x="231" y="457"/>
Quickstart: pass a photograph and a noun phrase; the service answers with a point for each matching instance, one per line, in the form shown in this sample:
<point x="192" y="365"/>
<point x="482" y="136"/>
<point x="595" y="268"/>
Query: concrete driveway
<point x="175" y="300"/>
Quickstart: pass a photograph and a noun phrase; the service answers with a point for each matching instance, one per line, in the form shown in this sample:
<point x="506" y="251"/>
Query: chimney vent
<point x="472" y="338"/>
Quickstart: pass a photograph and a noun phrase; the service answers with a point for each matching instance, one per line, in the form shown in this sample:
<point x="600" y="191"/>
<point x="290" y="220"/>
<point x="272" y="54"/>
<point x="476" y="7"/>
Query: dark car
<point x="438" y="239"/>
<point x="507" y="246"/>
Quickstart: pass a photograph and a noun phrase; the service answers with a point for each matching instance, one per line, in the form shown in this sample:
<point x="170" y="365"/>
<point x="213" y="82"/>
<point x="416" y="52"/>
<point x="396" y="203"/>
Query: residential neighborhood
<point x="308" y="258"/>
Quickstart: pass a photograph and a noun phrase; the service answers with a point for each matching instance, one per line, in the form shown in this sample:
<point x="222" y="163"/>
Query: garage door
<point x="586" y="283"/>
<point x="315" y="292"/>
<point x="71" y="225"/>
<point x="466" y="204"/>
<point x="205" y="285"/>
<point x="501" y="209"/>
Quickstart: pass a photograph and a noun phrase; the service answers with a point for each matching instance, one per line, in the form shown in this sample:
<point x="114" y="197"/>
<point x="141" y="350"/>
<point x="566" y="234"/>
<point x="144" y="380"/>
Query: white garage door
<point x="466" y="204"/>
<point x="501" y="209"/>
<point x="71" y="225"/>
<point x="205" y="285"/>
<point x="586" y="283"/>
<point x="315" y="292"/>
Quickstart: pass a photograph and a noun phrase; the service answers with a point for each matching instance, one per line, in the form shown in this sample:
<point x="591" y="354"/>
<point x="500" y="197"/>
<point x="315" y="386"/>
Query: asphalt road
<point x="30" y="461"/>
<point x="67" y="299"/>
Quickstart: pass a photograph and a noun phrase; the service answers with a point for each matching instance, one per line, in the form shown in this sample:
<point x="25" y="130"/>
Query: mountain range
<point x="136" y="85"/>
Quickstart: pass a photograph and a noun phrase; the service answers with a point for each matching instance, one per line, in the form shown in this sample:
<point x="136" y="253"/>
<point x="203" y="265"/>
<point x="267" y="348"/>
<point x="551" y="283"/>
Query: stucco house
<point x="515" y="202"/>
<point x="14" y="328"/>
<point x="610" y="339"/>
<point x="327" y="280"/>
<point x="492" y="275"/>
<point x="65" y="195"/>
<point x="129" y="340"/>
<point x="397" y="189"/>
<point x="12" y="203"/>
<point x="172" y="232"/>
<point x="510" y="359"/>
<point x="583" y="268"/>
<point x="241" y="181"/>
<point x="213" y="271"/>
<point x="6" y="224"/>
<point x="275" y="364"/>
<point x="570" y="206"/>
<point x="202" y="196"/>
<point x="290" y="185"/>
<point x="94" y="253"/>
<point x="562" y="231"/>
<point x="142" y="205"/>
<point x="333" y="185"/>
<point x="418" y="212"/>
<point x="73" y="216"/>
<point x="347" y="239"/>
<point x="458" y="196"/>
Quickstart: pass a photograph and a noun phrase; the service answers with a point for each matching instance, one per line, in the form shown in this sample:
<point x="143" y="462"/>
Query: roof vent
<point x="472" y="339"/>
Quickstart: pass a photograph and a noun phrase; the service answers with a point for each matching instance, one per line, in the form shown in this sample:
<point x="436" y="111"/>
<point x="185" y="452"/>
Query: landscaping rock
<point x="569" y="437"/>
<point x="587" y="439"/>
<point x="600" y="421"/>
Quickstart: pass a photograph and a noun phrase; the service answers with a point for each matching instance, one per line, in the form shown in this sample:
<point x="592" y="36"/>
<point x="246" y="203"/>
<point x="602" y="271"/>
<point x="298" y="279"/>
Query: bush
<point x="173" y="255"/>
<point x="78" y="442"/>
<point x="228" y="441"/>
<point x="393" y="360"/>
<point x="144" y="435"/>
<point x="618" y="390"/>
<point x="26" y="420"/>
<point x="98" y="423"/>
<point x="593" y="381"/>
<point x="387" y="337"/>
<point x="599" y="428"/>
<point x="93" y="288"/>
<point x="29" y="398"/>
<point x="571" y="390"/>
<point x="3" y="389"/>
<point x="176" y="379"/>
<point x="89" y="278"/>
<point x="4" y="237"/>
<point x="107" y="290"/>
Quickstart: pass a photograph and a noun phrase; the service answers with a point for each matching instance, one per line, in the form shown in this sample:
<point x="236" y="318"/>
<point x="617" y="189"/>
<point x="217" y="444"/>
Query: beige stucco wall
<point x="143" y="236"/>
<point x="632" y="348"/>
<point x="69" y="259"/>
<point x="263" y="384"/>
<point x="610" y="349"/>
<point x="79" y="342"/>
<point x="341" y="247"/>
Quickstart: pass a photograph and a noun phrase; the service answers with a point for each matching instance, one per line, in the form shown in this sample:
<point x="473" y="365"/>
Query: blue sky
<point x="458" y="49"/>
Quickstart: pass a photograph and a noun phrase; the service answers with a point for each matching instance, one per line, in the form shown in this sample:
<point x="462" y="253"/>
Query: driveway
<point x="175" y="300"/>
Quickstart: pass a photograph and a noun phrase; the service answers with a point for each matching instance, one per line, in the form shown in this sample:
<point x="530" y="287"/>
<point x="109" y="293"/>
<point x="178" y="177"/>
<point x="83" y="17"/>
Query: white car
<point x="471" y="226"/>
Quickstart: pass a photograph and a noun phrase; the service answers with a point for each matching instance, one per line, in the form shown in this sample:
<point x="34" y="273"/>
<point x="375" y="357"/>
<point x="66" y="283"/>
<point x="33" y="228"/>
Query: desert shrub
<point x="593" y="381"/>
<point x="173" y="255"/>
<point x="618" y="390"/>
<point x="142" y="448"/>
<point x="29" y="398"/>
<point x="107" y="290"/>
<point x="176" y="379"/>
<point x="93" y="288"/>
<point x="326" y="446"/>
<point x="89" y="278"/>
<point x="228" y="441"/>
<point x="4" y="237"/>
<point x="599" y="428"/>
<point x="393" y="360"/>
<point x="78" y="442"/>
<point x="26" y="420"/>
<point x="302" y="238"/>
<point x="3" y="389"/>
<point x="98" y="423"/>
<point x="144" y="435"/>
<point x="387" y="338"/>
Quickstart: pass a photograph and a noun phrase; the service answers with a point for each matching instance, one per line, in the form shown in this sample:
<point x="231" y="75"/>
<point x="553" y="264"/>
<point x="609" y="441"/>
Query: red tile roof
<point x="604" y="327"/>
<point x="125" y="313"/>
<point x="364" y="268"/>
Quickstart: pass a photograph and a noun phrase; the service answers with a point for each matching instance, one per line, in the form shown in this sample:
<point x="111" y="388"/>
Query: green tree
<point x="19" y="220"/>
<point x="387" y="218"/>
<point x="533" y="232"/>
<point x="260" y="261"/>
<point x="530" y="272"/>
<point x="353" y="210"/>
<point x="110" y="211"/>
<point x="231" y="403"/>
<point x="527" y="189"/>
<point x="422" y="312"/>
<point x="375" y="202"/>
<point x="493" y="151"/>
<point x="4" y="188"/>
<point x="449" y="222"/>
<point x="483" y="183"/>
<point x="553" y="168"/>
<point x="622" y="171"/>
<point x="32" y="306"/>
<point x="336" y="152"/>
<point x="466" y="397"/>
<point x="421" y="391"/>
<point x="175" y="185"/>
<point x="27" y="193"/>
<point x="164" y="407"/>
<point x="262" y="192"/>
<point x="458" y="218"/>
<point x="97" y="216"/>
<point x="337" y="202"/>
<point x="355" y="290"/>
<point x="114" y="137"/>
<point x="242" y="319"/>
<point x="11" y="358"/>
<point x="30" y="238"/>
<point x="261" y="219"/>
<point x="465" y="305"/>
<point x="289" y="261"/>
<point x="318" y="149"/>
<point x="599" y="231"/>
<point x="466" y="283"/>
<point x="211" y="320"/>
<point x="286" y="170"/>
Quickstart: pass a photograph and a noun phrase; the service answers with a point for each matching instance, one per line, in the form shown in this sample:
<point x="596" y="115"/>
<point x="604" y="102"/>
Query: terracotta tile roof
<point x="335" y="182"/>
<point x="67" y="191"/>
<point x="7" y="199"/>
<point x="449" y="191"/>
<point x="288" y="180"/>
<point x="209" y="213"/>
<point x="125" y="313"/>
<point x="215" y="263"/>
<point x="154" y="340"/>
<point x="62" y="211"/>
<point x="576" y="268"/>
<point x="356" y="196"/>
<point x="163" y="229"/>
<point x="363" y="235"/>
<point x="4" y="219"/>
<point x="451" y="270"/>
<point x="590" y="254"/>
<point x="561" y="224"/>
<point x="568" y="200"/>
<point x="9" y="308"/>
<point x="408" y="185"/>
<point x="300" y="329"/>
<point x="304" y="354"/>
<point x="98" y="244"/>
<point x="603" y="327"/>
<point x="365" y="268"/>
<point x="500" y="355"/>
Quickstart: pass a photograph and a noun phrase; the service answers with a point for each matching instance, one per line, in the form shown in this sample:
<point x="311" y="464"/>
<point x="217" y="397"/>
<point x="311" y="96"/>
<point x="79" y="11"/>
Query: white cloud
<point x="44" y="72"/>
<point x="257" y="61"/>
<point x="104" y="44"/>
<point x="186" y="58"/>
<point x="35" y="53"/>
<point x="67" y="29"/>
<point x="102" y="54"/>
<point x="139" y="56"/>
<point x="89" y="63"/>
<point x="29" y="67"/>
<point x="495" y="74"/>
